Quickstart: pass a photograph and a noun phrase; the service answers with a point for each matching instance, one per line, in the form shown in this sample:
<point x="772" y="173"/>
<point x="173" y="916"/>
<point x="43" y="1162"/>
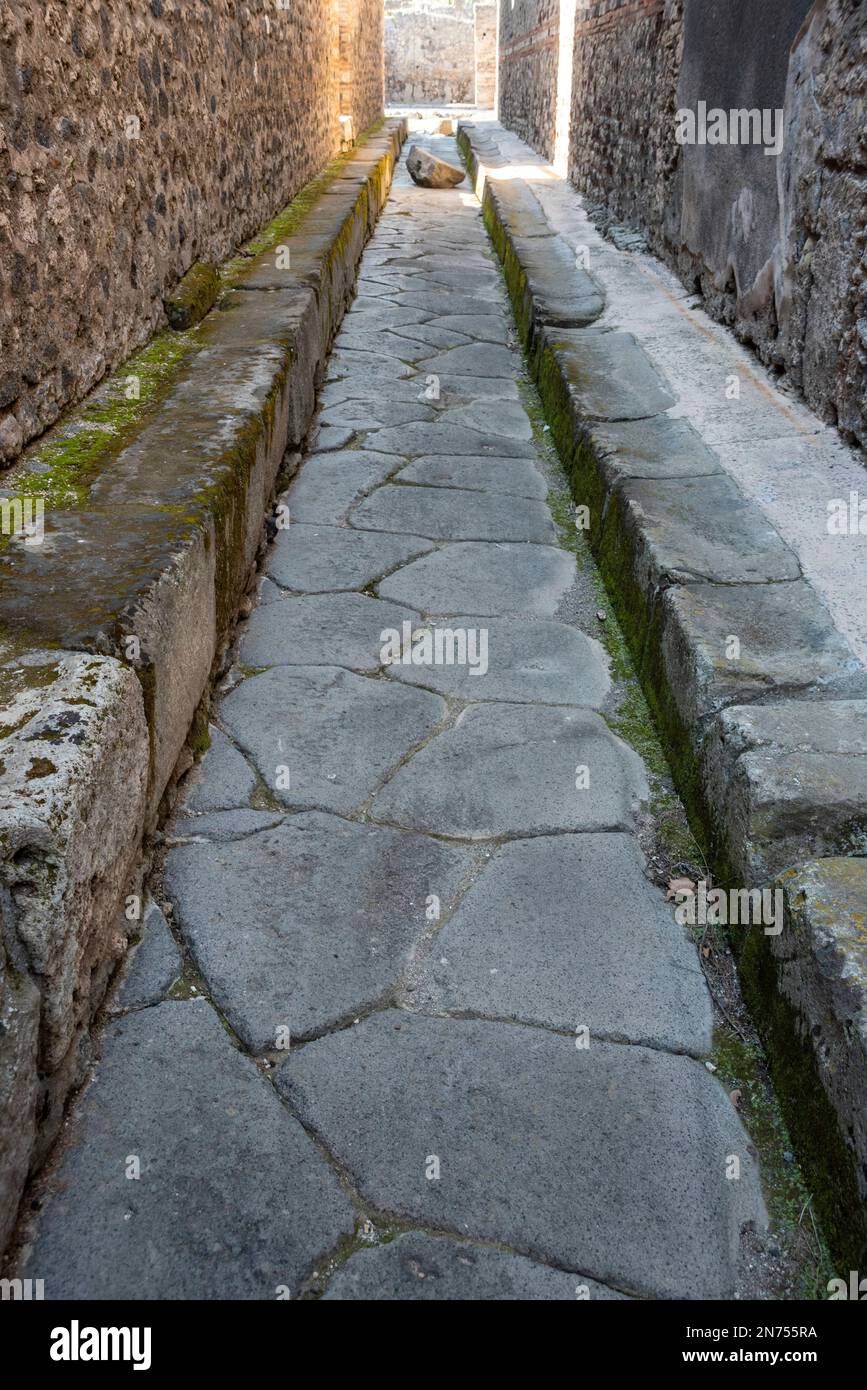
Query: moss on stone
<point x="193" y="296"/>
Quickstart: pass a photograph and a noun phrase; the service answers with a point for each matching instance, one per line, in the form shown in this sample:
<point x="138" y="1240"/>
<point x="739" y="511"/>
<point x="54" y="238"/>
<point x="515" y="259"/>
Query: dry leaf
<point x="735" y="1098"/>
<point x="705" y="950"/>
<point x="677" y="886"/>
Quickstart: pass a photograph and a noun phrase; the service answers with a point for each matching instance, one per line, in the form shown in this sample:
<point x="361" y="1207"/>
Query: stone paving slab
<point x="696" y="529"/>
<point x="662" y="447"/>
<point x="788" y="645"/>
<point x="224" y="778"/>
<point x="449" y="514"/>
<point x="152" y="966"/>
<point x="609" y="376"/>
<point x="515" y="951"/>
<point x="321" y="630"/>
<point x="323" y="559"/>
<point x="446" y="437"/>
<point x="471" y="577"/>
<point x="537" y="1144"/>
<point x="524" y="662"/>
<point x="512" y="770"/>
<point x="329" y="484"/>
<point x="307" y="924"/>
<point x="334" y="734"/>
<point x="233" y="1198"/>
<point x="506" y="477"/>
<point x="420" y="1267"/>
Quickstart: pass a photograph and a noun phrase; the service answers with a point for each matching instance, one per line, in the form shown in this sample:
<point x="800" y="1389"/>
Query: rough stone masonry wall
<point x="777" y="247"/>
<point x="429" y="52"/>
<point x="136" y="137"/>
<point x="529" y="35"/>
<point x="361" y="55"/>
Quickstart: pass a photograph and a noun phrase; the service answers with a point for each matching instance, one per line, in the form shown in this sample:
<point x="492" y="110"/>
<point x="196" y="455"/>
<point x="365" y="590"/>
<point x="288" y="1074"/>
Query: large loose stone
<point x="472" y="577"/>
<point x="233" y="1199"/>
<point x="515" y="769"/>
<point x="612" y="1160"/>
<point x="430" y="172"/>
<point x="418" y="1267"/>
<point x="323" y="737"/>
<point x="305" y="925"/>
<point x="602" y="951"/>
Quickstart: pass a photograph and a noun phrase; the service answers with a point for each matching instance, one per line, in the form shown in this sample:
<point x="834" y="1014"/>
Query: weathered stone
<point x="506" y="477"/>
<point x="323" y="559"/>
<point x="446" y="437"/>
<point x="223" y="780"/>
<point x="449" y="514"/>
<point x="331" y="734"/>
<point x="513" y="950"/>
<point x="322" y="630"/>
<point x="611" y="1161"/>
<point x="683" y="529"/>
<point x="430" y="172"/>
<point x="515" y="769"/>
<point x="787" y="782"/>
<point x="821" y="971"/>
<point x="19" y="1084"/>
<point x="327" y="486"/>
<point x="152" y="967"/>
<point x="304" y="926"/>
<point x="471" y="577"/>
<point x="193" y="297"/>
<point x="787" y="645"/>
<point x="661" y="447"/>
<point x="608" y="375"/>
<point x="422" y="1267"/>
<point x="72" y="802"/>
<point x="524" y="662"/>
<point x="233" y="1200"/>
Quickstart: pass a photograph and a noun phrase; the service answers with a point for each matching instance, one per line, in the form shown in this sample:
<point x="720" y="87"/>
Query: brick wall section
<point x="485" y="21"/>
<point x="429" y="52"/>
<point x="237" y="108"/>
<point x="529" y="32"/>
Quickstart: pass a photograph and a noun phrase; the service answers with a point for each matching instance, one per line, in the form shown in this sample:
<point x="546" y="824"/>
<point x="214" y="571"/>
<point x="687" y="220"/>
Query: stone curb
<point x="112" y="628"/>
<point x="768" y="748"/>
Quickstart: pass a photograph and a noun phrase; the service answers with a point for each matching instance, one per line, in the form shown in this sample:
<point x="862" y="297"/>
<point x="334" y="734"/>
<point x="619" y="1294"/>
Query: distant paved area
<point x="442" y="999"/>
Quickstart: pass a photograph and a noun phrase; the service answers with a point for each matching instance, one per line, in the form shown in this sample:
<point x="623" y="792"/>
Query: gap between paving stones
<point x="764" y="801"/>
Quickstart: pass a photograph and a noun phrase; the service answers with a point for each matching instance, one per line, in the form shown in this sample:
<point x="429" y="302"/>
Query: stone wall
<point x="429" y="52"/>
<point x="361" y="61"/>
<point x="776" y="245"/>
<point x="136" y="137"/>
<point x="485" y="22"/>
<point x="626" y="61"/>
<point x="529" y="35"/>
